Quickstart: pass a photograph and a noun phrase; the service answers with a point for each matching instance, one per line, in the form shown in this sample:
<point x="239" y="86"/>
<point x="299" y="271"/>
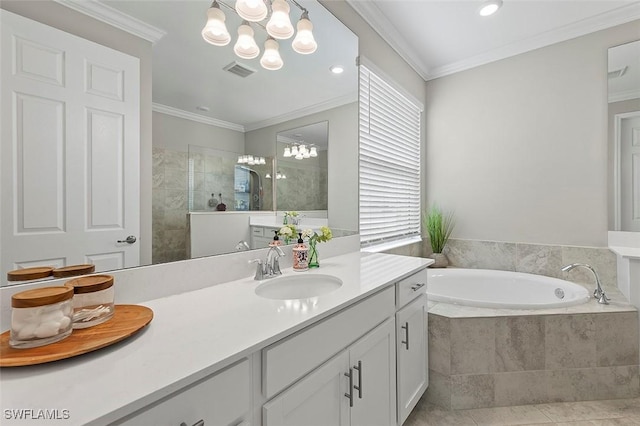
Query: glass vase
<point x="313" y="254"/>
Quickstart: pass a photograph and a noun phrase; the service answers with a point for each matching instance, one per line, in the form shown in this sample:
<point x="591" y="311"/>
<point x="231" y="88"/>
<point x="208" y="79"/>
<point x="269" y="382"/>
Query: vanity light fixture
<point x="300" y="151"/>
<point x="246" y="46"/>
<point x="489" y="7"/>
<point x="271" y="59"/>
<point x="278" y="26"/>
<point x="251" y="160"/>
<point x="215" y="31"/>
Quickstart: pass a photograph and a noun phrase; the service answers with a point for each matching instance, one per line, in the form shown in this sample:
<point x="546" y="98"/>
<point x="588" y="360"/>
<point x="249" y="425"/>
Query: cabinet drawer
<point x="220" y="399"/>
<point x="411" y="287"/>
<point x="257" y="231"/>
<point x="288" y="360"/>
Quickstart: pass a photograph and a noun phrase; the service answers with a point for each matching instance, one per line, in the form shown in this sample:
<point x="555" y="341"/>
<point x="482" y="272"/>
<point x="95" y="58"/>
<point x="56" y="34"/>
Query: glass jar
<point x="40" y="316"/>
<point x="92" y="300"/>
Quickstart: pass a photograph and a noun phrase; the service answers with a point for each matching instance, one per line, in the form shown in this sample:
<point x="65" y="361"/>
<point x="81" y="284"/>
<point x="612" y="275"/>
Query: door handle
<point x="359" y="387"/>
<point x="129" y="240"/>
<point x="406" y="329"/>
<point x="350" y="395"/>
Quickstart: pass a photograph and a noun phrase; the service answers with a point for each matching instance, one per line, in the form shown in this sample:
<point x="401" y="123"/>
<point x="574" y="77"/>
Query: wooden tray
<point x="126" y="321"/>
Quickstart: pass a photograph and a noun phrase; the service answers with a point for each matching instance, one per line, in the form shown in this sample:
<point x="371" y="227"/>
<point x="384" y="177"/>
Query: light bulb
<point x="279" y="26"/>
<point x="489" y="7"/>
<point x="271" y="59"/>
<point x="313" y="152"/>
<point x="215" y="30"/>
<point x="287" y="152"/>
<point x="246" y="46"/>
<point x="251" y="10"/>
<point x="304" y="42"/>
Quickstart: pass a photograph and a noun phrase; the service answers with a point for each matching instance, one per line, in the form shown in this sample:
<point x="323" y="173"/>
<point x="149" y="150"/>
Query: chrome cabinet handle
<point x="129" y="240"/>
<point x="359" y="387"/>
<point x="350" y="395"/>
<point x="417" y="286"/>
<point x="406" y="328"/>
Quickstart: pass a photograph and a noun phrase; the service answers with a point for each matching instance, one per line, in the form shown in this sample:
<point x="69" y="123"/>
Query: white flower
<point x="307" y="233"/>
<point x="285" y="230"/>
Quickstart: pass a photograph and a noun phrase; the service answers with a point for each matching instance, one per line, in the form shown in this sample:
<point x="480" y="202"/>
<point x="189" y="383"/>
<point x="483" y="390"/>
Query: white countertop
<point x="192" y="335"/>
<point x="630" y="252"/>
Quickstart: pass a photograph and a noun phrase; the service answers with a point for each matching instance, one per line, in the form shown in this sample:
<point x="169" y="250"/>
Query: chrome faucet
<point x="270" y="267"/>
<point x="598" y="293"/>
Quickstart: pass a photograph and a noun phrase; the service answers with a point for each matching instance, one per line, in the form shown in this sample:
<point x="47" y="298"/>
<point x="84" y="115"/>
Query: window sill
<point x="391" y="245"/>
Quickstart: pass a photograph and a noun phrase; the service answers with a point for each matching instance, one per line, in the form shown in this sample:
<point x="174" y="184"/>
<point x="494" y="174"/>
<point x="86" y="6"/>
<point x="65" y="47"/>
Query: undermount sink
<point x="299" y="286"/>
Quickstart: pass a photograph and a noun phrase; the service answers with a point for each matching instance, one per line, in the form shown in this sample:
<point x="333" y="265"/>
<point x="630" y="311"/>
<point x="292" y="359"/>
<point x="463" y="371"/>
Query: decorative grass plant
<point x="439" y="226"/>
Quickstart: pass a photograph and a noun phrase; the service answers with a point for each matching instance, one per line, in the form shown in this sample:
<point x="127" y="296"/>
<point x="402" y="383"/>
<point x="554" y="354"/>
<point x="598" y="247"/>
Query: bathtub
<point x="502" y="289"/>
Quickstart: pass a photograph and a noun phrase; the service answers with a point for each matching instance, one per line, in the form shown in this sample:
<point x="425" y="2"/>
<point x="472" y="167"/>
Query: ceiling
<point x="440" y="37"/>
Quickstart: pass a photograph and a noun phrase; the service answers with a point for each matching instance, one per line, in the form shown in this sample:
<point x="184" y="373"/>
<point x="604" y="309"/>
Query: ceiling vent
<point x="617" y="73"/>
<point x="239" y="69"/>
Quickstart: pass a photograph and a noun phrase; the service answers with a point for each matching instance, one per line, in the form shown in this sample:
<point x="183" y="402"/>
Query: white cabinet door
<point x="223" y="399"/>
<point x="412" y="355"/>
<point x="316" y="400"/>
<point x="70" y="148"/>
<point x="373" y="365"/>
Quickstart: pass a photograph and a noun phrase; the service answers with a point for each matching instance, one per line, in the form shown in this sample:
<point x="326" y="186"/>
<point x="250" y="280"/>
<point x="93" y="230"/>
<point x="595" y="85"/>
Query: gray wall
<point x="518" y="148"/>
<point x="68" y="20"/>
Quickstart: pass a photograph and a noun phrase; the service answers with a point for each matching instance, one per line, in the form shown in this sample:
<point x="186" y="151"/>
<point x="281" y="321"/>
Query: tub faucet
<point x="598" y="293"/>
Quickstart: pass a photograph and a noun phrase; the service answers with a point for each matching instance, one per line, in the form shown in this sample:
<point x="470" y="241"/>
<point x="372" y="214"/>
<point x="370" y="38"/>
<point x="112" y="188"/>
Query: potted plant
<point x="439" y="226"/>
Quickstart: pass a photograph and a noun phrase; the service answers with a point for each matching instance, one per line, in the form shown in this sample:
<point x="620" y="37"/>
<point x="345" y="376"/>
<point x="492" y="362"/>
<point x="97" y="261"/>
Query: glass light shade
<point x="271" y="59"/>
<point x="284" y="176"/>
<point x="302" y="149"/>
<point x="300" y="156"/>
<point x="262" y="161"/>
<point x="267" y="176"/>
<point x="251" y="10"/>
<point x="306" y="154"/>
<point x="239" y="159"/>
<point x="313" y="152"/>
<point x="279" y="26"/>
<point x="251" y="160"/>
<point x="304" y="42"/>
<point x="489" y="7"/>
<point x="215" y="31"/>
<point x="287" y="152"/>
<point x="294" y="150"/>
<point x="246" y="46"/>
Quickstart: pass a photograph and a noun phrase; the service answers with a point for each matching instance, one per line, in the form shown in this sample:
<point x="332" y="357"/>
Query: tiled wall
<point x="169" y="200"/>
<point x="304" y="189"/>
<point x="521" y="257"/>
<point x="504" y="361"/>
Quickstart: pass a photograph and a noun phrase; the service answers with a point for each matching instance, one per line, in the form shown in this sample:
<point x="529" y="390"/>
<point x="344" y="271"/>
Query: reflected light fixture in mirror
<point x="277" y="27"/>
<point x="489" y="7"/>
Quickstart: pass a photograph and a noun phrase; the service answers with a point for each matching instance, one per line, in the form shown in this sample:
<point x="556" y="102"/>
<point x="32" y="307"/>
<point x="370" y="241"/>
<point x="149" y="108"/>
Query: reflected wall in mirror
<point x="302" y="167"/>
<point x="624" y="137"/>
<point x="197" y="102"/>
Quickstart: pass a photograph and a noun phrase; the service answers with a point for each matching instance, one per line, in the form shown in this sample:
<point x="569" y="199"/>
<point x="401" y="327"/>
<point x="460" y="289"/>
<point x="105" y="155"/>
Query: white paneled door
<point x="630" y="171"/>
<point x="70" y="148"/>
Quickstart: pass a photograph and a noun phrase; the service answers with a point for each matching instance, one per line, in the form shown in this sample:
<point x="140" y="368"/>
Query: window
<point x="389" y="163"/>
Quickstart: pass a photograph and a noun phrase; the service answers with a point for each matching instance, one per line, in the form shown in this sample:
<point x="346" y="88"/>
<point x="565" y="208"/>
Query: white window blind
<point x="389" y="163"/>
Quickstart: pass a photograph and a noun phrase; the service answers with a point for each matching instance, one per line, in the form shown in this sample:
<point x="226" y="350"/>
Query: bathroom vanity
<point x="223" y="355"/>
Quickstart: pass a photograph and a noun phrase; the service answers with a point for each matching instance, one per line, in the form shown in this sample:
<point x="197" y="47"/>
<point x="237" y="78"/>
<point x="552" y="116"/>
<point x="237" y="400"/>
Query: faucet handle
<point x="259" y="276"/>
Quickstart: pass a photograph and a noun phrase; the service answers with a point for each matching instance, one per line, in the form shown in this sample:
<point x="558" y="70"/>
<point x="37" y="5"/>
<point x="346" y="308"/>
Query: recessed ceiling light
<point x="202" y="108"/>
<point x="336" y="69"/>
<point x="489" y="7"/>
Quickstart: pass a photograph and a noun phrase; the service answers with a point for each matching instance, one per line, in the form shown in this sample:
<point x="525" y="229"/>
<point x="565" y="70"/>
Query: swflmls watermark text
<point x="36" y="414"/>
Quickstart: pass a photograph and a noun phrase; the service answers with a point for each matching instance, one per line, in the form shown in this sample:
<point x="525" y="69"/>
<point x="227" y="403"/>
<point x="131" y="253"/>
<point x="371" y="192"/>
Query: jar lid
<point x="74" y="270"/>
<point x="41" y="297"/>
<point x="26" y="274"/>
<point x="90" y="284"/>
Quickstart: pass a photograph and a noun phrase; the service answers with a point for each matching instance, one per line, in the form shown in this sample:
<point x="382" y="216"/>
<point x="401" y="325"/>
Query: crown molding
<point x="370" y="12"/>
<point x="624" y="96"/>
<point x="333" y="103"/>
<point x="115" y="18"/>
<point x="378" y="21"/>
<point x="595" y="23"/>
<point x="180" y="113"/>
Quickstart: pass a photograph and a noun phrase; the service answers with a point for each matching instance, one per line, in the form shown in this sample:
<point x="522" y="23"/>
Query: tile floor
<point x="584" y="413"/>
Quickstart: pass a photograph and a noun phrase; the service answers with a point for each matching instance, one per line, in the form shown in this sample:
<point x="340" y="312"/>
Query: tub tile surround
<point x="536" y="259"/>
<point x="531" y="359"/>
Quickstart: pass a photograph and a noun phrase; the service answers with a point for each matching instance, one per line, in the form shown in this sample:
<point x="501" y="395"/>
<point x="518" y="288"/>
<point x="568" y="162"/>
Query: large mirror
<point x="200" y="108"/>
<point x="624" y="137"/>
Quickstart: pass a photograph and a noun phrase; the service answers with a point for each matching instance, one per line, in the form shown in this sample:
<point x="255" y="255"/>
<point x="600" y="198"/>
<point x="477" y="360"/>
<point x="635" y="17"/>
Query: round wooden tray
<point x="126" y="321"/>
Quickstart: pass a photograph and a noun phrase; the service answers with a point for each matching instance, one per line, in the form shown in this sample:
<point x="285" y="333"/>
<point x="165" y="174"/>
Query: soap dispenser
<point x="300" y="255"/>
<point x="276" y="240"/>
